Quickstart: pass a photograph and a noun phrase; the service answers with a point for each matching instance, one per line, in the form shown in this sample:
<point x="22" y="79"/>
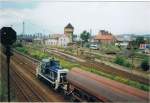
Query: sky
<point x="49" y="16"/>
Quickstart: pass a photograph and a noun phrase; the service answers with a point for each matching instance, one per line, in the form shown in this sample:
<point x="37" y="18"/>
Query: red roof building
<point x="105" y="37"/>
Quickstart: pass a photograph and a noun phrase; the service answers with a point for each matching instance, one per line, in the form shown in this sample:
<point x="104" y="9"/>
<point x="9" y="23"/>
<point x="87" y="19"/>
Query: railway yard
<point x="28" y="88"/>
<point x="80" y="51"/>
<point x="102" y="67"/>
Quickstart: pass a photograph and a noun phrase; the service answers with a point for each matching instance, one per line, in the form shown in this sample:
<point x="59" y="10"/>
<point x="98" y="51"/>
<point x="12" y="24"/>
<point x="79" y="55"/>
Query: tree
<point x="85" y="36"/>
<point x="145" y="64"/>
<point x="139" y="40"/>
<point x="136" y="43"/>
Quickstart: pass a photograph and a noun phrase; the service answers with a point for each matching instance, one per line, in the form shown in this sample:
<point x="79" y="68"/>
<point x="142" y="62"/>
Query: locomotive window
<point x="43" y="66"/>
<point x="63" y="77"/>
<point x="55" y="75"/>
<point x="47" y="64"/>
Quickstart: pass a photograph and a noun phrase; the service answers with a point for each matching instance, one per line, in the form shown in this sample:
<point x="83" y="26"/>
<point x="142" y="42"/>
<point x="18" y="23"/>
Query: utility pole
<point x="90" y="32"/>
<point x="23" y="28"/>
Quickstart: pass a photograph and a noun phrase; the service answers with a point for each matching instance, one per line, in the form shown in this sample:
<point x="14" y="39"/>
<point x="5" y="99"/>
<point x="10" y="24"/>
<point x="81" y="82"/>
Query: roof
<point x="55" y="36"/>
<point x="104" y="37"/>
<point x="69" y="26"/>
<point x="45" y="60"/>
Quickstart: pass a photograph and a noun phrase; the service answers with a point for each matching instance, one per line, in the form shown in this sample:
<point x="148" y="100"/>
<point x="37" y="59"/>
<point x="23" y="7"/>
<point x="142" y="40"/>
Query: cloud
<point x="116" y="17"/>
<point x="12" y="16"/>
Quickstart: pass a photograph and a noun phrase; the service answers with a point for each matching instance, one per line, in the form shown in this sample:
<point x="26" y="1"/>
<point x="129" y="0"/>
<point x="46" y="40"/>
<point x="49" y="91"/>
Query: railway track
<point x="30" y="66"/>
<point x="26" y="87"/>
<point x="27" y="84"/>
<point x="105" y="68"/>
<point x="21" y="94"/>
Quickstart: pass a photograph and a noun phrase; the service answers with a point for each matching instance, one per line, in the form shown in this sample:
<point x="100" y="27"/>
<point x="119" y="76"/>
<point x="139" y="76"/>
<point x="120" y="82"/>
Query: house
<point x="124" y="39"/>
<point x="51" y="41"/>
<point x="57" y="40"/>
<point x="104" y="37"/>
<point x="144" y="46"/>
<point x="38" y="40"/>
<point x="63" y="41"/>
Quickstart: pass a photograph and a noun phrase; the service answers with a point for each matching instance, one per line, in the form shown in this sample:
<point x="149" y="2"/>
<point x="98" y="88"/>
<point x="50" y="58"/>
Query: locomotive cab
<point x="51" y="71"/>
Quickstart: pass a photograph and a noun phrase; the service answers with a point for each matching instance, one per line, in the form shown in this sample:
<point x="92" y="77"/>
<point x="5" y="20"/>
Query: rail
<point x="32" y="59"/>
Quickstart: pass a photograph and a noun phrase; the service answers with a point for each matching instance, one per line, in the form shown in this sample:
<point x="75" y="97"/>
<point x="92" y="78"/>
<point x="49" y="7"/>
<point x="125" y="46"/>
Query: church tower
<point x="68" y="31"/>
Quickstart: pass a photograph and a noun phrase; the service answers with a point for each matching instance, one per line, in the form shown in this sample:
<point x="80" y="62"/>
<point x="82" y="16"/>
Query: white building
<point x="51" y="41"/>
<point x="63" y="41"/>
<point x="38" y="40"/>
<point x="57" y="40"/>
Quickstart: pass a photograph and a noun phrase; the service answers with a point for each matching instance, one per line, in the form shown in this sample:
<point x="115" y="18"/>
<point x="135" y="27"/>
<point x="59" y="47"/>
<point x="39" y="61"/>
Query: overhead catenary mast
<point x="23" y="28"/>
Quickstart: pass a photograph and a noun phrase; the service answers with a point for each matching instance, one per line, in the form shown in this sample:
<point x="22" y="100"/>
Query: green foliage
<point x="85" y="36"/>
<point x="22" y="49"/>
<point x="17" y="44"/>
<point x="145" y="64"/>
<point x="136" y="43"/>
<point x="139" y="40"/>
<point x="122" y="61"/>
<point x="119" y="60"/>
<point x="140" y="55"/>
<point x="38" y="55"/>
<point x="69" y="49"/>
<point x="109" y="48"/>
<point x="123" y="80"/>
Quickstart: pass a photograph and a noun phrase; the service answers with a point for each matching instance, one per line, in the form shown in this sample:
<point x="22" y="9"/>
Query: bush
<point x="122" y="61"/>
<point x="145" y="64"/>
<point x="119" y="60"/>
<point x="38" y="55"/>
<point x="22" y="49"/>
<point x="17" y="45"/>
<point x="70" y="49"/>
<point x="127" y="64"/>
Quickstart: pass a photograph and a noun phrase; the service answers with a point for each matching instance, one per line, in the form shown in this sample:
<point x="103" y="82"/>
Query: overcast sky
<point x="51" y="17"/>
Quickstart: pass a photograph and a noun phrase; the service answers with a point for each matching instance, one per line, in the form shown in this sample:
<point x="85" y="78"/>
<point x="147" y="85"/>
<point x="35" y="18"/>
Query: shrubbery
<point x="22" y="49"/>
<point x="122" y="61"/>
<point x="145" y="64"/>
<point x="17" y="45"/>
<point x="109" y="48"/>
<point x="38" y="55"/>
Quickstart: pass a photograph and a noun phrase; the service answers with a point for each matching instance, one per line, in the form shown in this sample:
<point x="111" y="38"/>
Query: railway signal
<point x="7" y="38"/>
